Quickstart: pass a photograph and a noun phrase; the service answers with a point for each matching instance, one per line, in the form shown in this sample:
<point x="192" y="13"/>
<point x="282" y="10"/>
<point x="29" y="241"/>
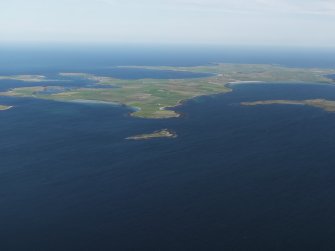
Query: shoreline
<point x="5" y="108"/>
<point x="158" y="98"/>
<point x="183" y="101"/>
<point x="163" y="133"/>
<point x="324" y="104"/>
<point x="231" y="84"/>
<point x="96" y="102"/>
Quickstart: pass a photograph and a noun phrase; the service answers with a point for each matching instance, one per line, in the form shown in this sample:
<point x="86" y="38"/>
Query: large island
<point x="152" y="98"/>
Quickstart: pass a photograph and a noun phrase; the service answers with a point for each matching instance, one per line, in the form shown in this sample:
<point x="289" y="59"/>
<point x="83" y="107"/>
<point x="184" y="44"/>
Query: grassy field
<point x="151" y="97"/>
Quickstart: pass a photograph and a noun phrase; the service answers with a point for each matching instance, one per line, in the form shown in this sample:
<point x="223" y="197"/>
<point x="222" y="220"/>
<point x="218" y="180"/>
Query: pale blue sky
<point x="247" y="22"/>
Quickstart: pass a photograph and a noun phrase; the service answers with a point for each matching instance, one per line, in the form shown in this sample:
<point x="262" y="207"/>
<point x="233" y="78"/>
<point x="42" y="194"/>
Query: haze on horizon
<point x="240" y="22"/>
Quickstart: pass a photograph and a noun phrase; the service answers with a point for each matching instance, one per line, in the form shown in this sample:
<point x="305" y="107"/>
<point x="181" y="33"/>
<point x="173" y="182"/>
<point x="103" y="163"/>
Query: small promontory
<point x="164" y="133"/>
<point x="4" y="107"/>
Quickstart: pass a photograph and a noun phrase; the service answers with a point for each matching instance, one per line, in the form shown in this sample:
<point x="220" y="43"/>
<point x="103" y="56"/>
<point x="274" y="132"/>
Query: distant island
<point x="4" y="107"/>
<point x="154" y="98"/>
<point x="324" y="104"/>
<point x="25" y="78"/>
<point x="165" y="133"/>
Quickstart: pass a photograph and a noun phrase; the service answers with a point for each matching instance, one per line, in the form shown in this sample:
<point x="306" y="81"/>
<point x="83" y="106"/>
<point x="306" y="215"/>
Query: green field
<point x="151" y="97"/>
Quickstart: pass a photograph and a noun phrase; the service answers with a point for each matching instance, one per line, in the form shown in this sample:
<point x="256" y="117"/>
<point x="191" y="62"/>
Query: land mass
<point x="25" y="78"/>
<point x="327" y="105"/>
<point x="165" y="133"/>
<point x="154" y="98"/>
<point x="4" y="107"/>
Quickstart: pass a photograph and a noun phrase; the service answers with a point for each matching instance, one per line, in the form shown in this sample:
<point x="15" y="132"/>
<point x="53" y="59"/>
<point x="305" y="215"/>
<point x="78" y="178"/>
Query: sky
<point x="222" y="22"/>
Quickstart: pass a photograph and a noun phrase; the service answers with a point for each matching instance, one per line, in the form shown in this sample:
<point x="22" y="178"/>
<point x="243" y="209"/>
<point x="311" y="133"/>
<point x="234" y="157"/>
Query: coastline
<point x="183" y="101"/>
<point x="158" y="98"/>
<point x="5" y="108"/>
<point x="163" y="133"/>
<point x="231" y="84"/>
<point x="324" y="104"/>
<point x="97" y="102"/>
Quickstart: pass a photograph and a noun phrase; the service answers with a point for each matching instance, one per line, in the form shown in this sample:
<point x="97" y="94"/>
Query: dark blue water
<point x="236" y="178"/>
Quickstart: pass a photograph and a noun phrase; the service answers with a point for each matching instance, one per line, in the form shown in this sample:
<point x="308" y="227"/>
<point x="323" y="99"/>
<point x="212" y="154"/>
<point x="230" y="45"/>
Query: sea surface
<point x="236" y="178"/>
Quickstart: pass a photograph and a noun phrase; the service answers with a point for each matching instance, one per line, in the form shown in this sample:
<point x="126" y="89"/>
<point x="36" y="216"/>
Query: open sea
<point x="236" y="178"/>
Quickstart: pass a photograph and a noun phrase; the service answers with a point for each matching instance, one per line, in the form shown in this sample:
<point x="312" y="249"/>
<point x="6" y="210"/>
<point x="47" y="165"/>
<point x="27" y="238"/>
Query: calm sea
<point x="236" y="178"/>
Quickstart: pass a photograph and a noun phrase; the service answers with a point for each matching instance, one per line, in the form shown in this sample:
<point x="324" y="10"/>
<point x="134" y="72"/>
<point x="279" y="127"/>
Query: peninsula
<point x="327" y="105"/>
<point x="154" y="98"/>
<point x="25" y="78"/>
<point x="4" y="107"/>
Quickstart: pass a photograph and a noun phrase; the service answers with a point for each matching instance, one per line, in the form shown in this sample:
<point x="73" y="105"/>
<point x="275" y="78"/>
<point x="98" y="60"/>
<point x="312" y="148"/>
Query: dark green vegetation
<point x="152" y="97"/>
